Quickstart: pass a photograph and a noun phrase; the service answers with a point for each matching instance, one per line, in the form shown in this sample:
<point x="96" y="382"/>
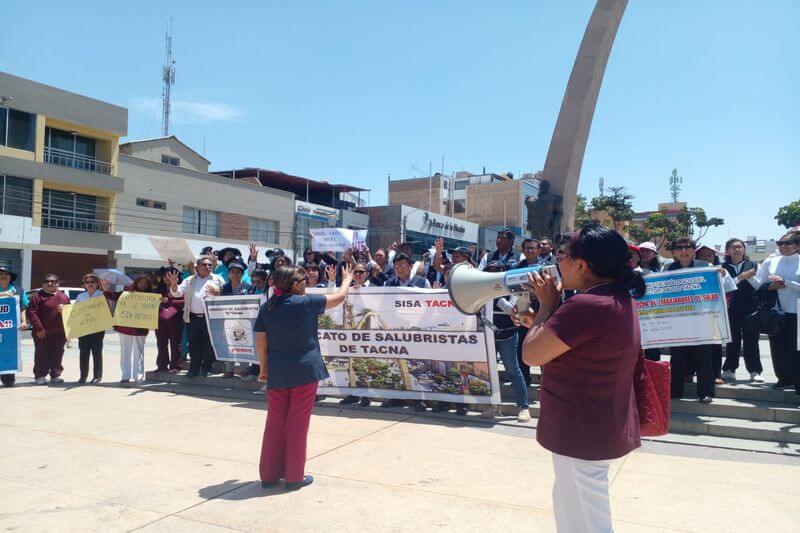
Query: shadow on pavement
<point x="230" y="490"/>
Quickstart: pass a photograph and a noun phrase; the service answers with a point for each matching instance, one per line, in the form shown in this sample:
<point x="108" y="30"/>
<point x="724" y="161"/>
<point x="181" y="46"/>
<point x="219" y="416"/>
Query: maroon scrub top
<point x="588" y="407"/>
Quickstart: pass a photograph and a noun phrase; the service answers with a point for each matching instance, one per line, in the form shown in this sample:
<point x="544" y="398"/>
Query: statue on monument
<point x="544" y="212"/>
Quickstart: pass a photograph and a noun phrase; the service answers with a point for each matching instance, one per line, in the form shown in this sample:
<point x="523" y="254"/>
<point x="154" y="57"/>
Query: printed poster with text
<point x="230" y="321"/>
<point x="10" y="350"/>
<point x="405" y="343"/>
<point x="683" y="308"/>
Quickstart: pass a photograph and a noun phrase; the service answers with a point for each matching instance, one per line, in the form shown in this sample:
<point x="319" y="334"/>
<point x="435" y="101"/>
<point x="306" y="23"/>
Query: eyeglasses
<point x="543" y="245"/>
<point x="785" y="243"/>
<point x="50" y="281"/>
<point x="359" y="271"/>
<point x="204" y="265"/>
<point x="531" y="248"/>
<point x="88" y="281"/>
<point x="683" y="247"/>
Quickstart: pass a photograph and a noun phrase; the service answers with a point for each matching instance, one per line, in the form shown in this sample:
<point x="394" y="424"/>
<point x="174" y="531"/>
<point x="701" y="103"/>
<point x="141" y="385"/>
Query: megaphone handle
<point x="523" y="301"/>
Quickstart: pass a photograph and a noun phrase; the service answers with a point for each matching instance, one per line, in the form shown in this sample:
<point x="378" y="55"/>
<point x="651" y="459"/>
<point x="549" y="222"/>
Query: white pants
<point x="131" y="357"/>
<point x="580" y="495"/>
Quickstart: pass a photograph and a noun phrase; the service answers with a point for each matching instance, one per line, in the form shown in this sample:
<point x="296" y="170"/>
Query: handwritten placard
<point x="137" y="310"/>
<point x="86" y="317"/>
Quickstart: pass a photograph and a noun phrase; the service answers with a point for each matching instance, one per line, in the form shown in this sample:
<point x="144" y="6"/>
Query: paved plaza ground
<point x="106" y="457"/>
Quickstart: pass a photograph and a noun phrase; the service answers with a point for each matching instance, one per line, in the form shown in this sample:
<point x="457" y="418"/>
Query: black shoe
<point x="95" y="381"/>
<point x="392" y="403"/>
<point x="319" y="398"/>
<point x="124" y="381"/>
<point x="268" y="484"/>
<point x="706" y="399"/>
<point x="461" y="410"/>
<point x="82" y="380"/>
<point x="365" y="402"/>
<point x="297" y="485"/>
<point x="192" y="374"/>
<point x="419" y="406"/>
<point x="347" y="400"/>
<point x="780" y="385"/>
<point x="441" y="407"/>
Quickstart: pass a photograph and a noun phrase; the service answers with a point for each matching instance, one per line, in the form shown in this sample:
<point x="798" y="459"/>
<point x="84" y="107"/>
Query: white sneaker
<point x="729" y="375"/>
<point x="41" y="381"/>
<point x="755" y="377"/>
<point x="524" y="415"/>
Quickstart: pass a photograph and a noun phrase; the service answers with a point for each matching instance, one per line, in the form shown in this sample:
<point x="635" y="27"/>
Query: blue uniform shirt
<point x="293" y="355"/>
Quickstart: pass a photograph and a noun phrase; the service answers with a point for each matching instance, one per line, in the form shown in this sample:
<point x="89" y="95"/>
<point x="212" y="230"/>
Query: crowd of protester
<point x="183" y="340"/>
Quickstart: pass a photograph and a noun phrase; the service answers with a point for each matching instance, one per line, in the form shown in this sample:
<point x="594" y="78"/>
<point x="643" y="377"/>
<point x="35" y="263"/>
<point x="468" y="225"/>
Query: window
<point x="16" y="196"/>
<point x="72" y="211"/>
<point x="262" y="230"/>
<point x="17" y="129"/>
<point x="200" y="221"/>
<point x="460" y="185"/>
<point x="144" y="202"/>
<point x="459" y="206"/>
<point x="170" y="160"/>
<point x="72" y="150"/>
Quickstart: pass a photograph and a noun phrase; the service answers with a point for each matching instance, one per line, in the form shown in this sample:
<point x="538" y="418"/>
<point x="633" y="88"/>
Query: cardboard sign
<point x="337" y="239"/>
<point x="176" y="249"/>
<point x="86" y="317"/>
<point x="137" y="310"/>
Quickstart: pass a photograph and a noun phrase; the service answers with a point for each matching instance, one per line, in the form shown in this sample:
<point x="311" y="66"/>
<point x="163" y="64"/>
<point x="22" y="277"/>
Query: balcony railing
<point x="72" y="223"/>
<point x="65" y="158"/>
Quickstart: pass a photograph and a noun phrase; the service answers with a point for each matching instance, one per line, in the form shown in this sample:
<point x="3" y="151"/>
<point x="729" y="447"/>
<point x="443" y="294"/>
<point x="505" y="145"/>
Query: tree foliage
<point x="582" y="216"/>
<point x="617" y="206"/>
<point x="789" y="215"/>
<point x="698" y="218"/>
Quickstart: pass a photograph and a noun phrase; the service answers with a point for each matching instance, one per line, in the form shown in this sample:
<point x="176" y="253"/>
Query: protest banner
<point x="137" y="310"/>
<point x="86" y="317"/>
<point x="337" y="239"/>
<point x="230" y="321"/>
<point x="176" y="249"/>
<point x="405" y="343"/>
<point x="10" y="348"/>
<point x="683" y="308"/>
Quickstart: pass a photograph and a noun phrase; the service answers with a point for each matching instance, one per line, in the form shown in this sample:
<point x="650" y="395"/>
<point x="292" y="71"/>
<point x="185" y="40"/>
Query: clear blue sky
<point x="353" y="91"/>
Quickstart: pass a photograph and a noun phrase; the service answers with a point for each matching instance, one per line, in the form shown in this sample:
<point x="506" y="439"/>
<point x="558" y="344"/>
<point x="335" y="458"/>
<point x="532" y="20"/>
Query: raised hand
<point x="104" y="286"/>
<point x="347" y="274"/>
<point x="439" y="245"/>
<point x="172" y="279"/>
<point x="330" y="272"/>
<point x="253" y="252"/>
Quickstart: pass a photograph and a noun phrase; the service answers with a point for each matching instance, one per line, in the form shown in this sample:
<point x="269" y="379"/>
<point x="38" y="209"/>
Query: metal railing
<point x="65" y="158"/>
<point x="75" y="223"/>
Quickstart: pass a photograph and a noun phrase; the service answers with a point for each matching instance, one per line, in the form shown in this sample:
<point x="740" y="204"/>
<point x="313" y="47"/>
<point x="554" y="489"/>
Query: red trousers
<point x="47" y="355"/>
<point x="283" y="450"/>
<point x="168" y="339"/>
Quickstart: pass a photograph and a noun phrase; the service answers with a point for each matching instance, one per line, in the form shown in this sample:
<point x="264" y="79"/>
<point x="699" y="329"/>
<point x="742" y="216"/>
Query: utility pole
<point x="675" y="182"/>
<point x="602" y="183"/>
<point x="168" y="76"/>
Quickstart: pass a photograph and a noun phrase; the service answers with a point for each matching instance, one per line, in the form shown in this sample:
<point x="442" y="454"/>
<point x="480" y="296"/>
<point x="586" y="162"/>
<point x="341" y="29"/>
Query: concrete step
<point x="781" y="432"/>
<point x="747" y="391"/>
<point x="735" y="408"/>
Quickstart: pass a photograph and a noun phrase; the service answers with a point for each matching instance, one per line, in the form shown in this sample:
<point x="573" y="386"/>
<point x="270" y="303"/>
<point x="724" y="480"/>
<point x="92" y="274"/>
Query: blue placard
<point x="10" y="349"/>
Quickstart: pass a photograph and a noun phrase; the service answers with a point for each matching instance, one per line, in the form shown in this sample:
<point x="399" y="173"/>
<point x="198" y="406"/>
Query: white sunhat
<point x="647" y="245"/>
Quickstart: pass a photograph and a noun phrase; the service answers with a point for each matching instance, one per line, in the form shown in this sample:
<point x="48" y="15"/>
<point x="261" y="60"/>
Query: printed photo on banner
<point x="683" y="308"/>
<point x="337" y="239"/>
<point x="89" y="316"/>
<point x="405" y="343"/>
<point x="137" y="310"/>
<point x="230" y="321"/>
<point x="10" y="346"/>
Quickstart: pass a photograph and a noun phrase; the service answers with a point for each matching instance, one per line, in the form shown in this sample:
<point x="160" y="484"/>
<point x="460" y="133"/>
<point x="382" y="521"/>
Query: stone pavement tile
<point x="27" y="508"/>
<point x="17" y="440"/>
<point x="466" y="437"/>
<point x="334" y="504"/>
<point x="699" y="504"/>
<point x="761" y="475"/>
<point x="214" y="437"/>
<point x="137" y="399"/>
<point x="73" y="419"/>
<point x="39" y="392"/>
<point x="146" y="479"/>
<point x="522" y="482"/>
<point x="171" y="524"/>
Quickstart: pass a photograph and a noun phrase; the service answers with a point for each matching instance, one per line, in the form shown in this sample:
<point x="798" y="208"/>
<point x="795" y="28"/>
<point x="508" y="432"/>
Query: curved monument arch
<point x="562" y="166"/>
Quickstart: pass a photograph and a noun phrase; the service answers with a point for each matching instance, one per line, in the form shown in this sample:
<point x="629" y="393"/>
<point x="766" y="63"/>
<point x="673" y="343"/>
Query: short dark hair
<point x="259" y="273"/>
<point x="44" y="278"/>
<point x="548" y="239"/>
<point x="507" y="233"/>
<point x="682" y="240"/>
<point x="526" y="240"/>
<point x="402" y="257"/>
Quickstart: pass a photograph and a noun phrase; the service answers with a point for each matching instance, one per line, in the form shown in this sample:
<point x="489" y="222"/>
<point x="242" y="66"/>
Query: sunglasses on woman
<point x="785" y="243"/>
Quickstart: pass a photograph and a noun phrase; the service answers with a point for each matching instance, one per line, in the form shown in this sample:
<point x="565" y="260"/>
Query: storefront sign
<point x="316" y="212"/>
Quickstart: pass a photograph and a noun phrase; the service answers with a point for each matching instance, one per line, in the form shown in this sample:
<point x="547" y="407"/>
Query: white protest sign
<point x="336" y="239"/>
<point x="176" y="249"/>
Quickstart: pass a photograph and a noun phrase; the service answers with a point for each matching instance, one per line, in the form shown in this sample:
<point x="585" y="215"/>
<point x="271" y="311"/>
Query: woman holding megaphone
<point x="587" y="347"/>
